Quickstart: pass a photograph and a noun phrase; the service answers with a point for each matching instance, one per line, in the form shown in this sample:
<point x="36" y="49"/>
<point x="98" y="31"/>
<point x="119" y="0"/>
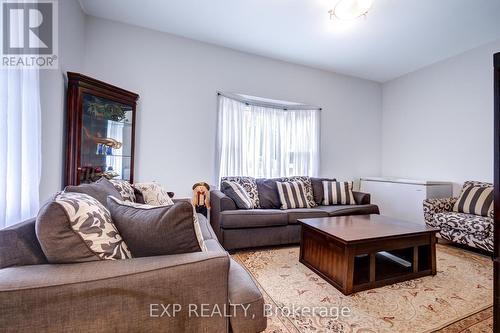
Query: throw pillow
<point x="307" y="185"/>
<point x="317" y="186"/>
<point x="19" y="245"/>
<point x="126" y="190"/>
<point x="236" y="192"/>
<point x="74" y="227"/>
<point x="249" y="185"/>
<point x="99" y="190"/>
<point x="476" y="198"/>
<point x="292" y="195"/>
<point x="268" y="193"/>
<point x="153" y="194"/>
<point x="338" y="193"/>
<point x="139" y="198"/>
<point x="157" y="230"/>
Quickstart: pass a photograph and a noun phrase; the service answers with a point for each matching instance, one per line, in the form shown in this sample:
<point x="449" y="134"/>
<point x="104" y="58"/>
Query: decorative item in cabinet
<point x="100" y="131"/>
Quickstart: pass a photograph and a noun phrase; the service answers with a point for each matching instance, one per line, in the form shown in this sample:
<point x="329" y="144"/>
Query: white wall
<point x="177" y="80"/>
<point x="53" y="95"/>
<point x="438" y="121"/>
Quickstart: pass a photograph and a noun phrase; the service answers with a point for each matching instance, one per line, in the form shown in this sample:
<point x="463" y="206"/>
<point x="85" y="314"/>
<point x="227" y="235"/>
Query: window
<point x="258" y="138"/>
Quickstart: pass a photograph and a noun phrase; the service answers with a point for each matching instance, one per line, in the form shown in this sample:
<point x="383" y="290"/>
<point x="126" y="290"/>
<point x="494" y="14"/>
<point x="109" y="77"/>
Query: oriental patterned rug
<point x="457" y="299"/>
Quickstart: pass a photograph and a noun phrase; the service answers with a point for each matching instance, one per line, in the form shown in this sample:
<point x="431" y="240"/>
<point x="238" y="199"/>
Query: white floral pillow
<point x="126" y="190"/>
<point x="154" y="194"/>
<point x="75" y="227"/>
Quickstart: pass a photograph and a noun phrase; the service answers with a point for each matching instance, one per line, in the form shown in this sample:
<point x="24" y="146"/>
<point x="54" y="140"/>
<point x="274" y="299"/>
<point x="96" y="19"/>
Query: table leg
<point x="432" y="251"/>
<point x="415" y="259"/>
<point x="349" y="277"/>
<point x="372" y="267"/>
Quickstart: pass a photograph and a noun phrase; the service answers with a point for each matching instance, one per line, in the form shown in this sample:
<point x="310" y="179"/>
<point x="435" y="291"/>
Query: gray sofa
<point x="123" y="295"/>
<point x="270" y="226"/>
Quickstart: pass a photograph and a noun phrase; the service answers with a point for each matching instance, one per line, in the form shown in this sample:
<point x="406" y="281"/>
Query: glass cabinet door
<point x="106" y="139"/>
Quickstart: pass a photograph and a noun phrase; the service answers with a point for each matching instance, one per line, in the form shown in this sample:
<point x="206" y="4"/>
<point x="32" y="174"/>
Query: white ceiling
<point x="397" y="37"/>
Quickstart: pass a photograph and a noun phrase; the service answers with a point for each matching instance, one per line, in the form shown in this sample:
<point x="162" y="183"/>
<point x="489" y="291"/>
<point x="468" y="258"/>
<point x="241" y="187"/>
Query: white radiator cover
<point x="402" y="198"/>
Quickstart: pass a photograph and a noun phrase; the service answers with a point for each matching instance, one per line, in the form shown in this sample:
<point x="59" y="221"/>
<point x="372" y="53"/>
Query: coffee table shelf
<point x="355" y="253"/>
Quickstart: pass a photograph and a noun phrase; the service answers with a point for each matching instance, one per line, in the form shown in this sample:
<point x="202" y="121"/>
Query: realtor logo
<point x="29" y="33"/>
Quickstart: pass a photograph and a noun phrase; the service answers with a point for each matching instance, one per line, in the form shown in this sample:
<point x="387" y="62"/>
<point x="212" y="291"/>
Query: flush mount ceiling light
<point x="350" y="9"/>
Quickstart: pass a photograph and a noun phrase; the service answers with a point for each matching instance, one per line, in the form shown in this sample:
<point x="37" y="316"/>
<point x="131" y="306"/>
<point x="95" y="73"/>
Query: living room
<point x="326" y="146"/>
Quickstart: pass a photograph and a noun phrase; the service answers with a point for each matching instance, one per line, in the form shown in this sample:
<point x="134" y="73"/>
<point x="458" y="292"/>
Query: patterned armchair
<point x="469" y="229"/>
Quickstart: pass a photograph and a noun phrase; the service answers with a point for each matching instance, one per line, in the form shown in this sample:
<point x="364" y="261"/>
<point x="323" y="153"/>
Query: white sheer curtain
<point x="20" y="144"/>
<point x="266" y="142"/>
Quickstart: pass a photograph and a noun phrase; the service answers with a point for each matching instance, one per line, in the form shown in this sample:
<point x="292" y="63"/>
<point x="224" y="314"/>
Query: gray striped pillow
<point x="292" y="195"/>
<point x="338" y="193"/>
<point x="239" y="195"/>
<point x="474" y="199"/>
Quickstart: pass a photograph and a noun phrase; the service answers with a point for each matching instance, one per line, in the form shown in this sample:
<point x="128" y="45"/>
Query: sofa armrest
<point x="126" y="295"/>
<point x="219" y="202"/>
<point x="434" y="206"/>
<point x="222" y="201"/>
<point x="361" y="198"/>
<point x="181" y="200"/>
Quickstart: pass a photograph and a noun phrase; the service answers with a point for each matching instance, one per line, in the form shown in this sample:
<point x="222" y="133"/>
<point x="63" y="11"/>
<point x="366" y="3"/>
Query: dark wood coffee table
<point x="355" y="253"/>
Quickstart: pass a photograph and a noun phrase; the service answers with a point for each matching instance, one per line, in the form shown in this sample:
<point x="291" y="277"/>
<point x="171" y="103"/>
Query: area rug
<point x="457" y="299"/>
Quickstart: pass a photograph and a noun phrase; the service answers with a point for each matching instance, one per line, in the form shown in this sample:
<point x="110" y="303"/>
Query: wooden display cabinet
<point x="100" y="135"/>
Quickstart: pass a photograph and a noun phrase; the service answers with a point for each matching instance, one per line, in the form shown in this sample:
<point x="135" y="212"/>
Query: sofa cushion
<point x="246" y="299"/>
<point x="249" y="184"/>
<point x="236" y="219"/>
<point x="475" y="198"/>
<point x="307" y="184"/>
<point x="317" y="186"/>
<point x="268" y="193"/>
<point x="153" y="194"/>
<point x="304" y="213"/>
<point x="292" y="195"/>
<point x="464" y="222"/>
<point x="19" y="245"/>
<point x="126" y="190"/>
<point x="338" y="193"/>
<point x="99" y="190"/>
<point x="139" y="198"/>
<point x="157" y="230"/>
<point x="341" y="210"/>
<point x="237" y="193"/>
<point x="74" y="227"/>
<point x="269" y="196"/>
<point x="361" y="198"/>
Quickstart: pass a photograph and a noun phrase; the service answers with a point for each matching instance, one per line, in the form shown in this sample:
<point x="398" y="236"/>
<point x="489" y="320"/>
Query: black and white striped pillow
<point x="292" y="195"/>
<point x="239" y="195"/>
<point x="337" y="193"/>
<point x="475" y="199"/>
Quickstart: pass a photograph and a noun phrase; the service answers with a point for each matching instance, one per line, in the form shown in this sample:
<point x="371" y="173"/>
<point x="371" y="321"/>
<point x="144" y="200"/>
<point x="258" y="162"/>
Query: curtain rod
<point x="254" y="102"/>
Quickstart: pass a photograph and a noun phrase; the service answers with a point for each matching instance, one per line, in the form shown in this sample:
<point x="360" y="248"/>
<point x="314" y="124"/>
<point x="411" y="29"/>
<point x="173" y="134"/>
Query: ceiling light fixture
<point x="350" y="9"/>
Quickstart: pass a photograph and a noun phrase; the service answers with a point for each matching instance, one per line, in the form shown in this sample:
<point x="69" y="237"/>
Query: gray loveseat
<point x="123" y="295"/>
<point x="269" y="225"/>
